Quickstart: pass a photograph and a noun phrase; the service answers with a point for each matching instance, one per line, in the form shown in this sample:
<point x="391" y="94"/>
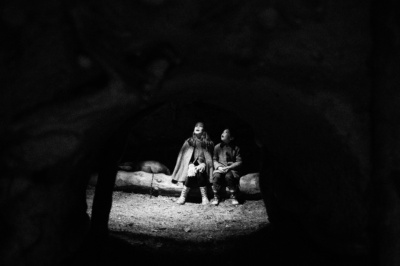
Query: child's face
<point x="226" y="136"/>
<point x="198" y="128"/>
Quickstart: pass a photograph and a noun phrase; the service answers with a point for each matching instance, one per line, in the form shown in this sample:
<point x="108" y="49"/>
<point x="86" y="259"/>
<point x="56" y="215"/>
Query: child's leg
<point x="202" y="182"/>
<point x="182" y="198"/>
<point x="218" y="179"/>
<point x="232" y="183"/>
<point x="189" y="182"/>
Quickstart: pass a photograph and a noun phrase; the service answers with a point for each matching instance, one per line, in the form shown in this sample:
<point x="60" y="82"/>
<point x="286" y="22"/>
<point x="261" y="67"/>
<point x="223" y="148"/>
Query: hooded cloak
<point x="182" y="163"/>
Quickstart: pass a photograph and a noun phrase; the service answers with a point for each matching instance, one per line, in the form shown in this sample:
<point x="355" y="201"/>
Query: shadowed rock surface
<point x="315" y="84"/>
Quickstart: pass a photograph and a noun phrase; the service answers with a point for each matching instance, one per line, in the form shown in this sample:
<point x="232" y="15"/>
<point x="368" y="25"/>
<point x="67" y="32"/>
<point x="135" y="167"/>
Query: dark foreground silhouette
<point x="268" y="246"/>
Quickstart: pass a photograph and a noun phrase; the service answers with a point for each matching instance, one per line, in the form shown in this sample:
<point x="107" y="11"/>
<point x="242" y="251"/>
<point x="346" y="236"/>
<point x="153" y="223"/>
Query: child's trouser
<point x="220" y="179"/>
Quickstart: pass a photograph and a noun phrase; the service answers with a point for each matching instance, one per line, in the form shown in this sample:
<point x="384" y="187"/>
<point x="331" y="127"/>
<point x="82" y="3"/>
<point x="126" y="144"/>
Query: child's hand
<point x="201" y="168"/>
<point x="223" y="169"/>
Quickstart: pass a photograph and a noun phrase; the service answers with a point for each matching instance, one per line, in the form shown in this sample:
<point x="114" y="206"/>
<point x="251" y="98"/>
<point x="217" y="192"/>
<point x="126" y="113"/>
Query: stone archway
<point x="311" y="144"/>
<point x="74" y="73"/>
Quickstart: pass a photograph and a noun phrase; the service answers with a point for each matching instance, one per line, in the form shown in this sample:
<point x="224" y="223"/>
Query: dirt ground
<point x="155" y="230"/>
<point x="157" y="222"/>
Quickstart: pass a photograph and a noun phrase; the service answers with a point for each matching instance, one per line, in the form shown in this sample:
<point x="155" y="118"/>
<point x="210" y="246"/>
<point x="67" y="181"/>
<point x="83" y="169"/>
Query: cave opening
<point x="307" y="162"/>
<point x="159" y="135"/>
<point x="314" y="79"/>
<point x="145" y="212"/>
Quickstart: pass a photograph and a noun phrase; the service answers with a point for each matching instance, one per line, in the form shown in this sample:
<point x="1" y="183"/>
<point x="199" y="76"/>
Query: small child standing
<point x="227" y="161"/>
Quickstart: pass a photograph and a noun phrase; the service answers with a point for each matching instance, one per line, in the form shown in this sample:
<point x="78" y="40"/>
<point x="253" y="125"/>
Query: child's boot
<point x="204" y="199"/>
<point x="215" y="200"/>
<point x="234" y="196"/>
<point x="182" y="198"/>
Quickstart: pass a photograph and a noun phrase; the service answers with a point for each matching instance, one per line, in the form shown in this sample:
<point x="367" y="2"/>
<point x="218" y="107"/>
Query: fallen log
<point x="141" y="182"/>
<point x="145" y="166"/>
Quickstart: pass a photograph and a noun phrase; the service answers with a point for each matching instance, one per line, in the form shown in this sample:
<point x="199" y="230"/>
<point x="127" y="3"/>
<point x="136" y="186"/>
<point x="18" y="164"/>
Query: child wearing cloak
<point x="194" y="166"/>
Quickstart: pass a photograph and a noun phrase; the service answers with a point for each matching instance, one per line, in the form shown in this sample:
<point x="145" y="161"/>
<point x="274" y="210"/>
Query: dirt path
<point x="157" y="231"/>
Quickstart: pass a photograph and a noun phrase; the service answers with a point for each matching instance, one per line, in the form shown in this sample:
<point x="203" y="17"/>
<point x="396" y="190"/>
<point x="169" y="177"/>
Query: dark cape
<point x="182" y="163"/>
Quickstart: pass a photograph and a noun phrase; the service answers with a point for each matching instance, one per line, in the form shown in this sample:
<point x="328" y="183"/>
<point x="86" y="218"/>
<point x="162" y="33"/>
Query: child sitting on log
<point x="227" y="161"/>
<point x="194" y="165"/>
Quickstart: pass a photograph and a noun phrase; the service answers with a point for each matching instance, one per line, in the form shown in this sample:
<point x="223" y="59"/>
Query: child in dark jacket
<point x="227" y="161"/>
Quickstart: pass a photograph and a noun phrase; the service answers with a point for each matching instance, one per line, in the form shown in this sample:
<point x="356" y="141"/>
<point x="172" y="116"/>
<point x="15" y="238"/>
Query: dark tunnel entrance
<point x="310" y="170"/>
<point x="159" y="135"/>
<point x="143" y="216"/>
<point x="318" y="164"/>
<point x="302" y="74"/>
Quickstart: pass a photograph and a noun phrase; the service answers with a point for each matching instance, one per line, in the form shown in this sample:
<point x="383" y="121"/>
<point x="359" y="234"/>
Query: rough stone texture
<point x="385" y="205"/>
<point x="76" y="77"/>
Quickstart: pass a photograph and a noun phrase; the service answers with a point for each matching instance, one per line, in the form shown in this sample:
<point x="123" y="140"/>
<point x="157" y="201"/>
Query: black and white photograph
<point x="200" y="132"/>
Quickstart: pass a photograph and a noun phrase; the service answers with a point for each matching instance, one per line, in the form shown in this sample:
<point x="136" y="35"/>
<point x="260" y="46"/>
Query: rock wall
<point x="304" y="76"/>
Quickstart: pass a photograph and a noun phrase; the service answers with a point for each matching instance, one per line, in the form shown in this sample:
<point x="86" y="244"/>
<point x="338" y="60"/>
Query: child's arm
<point x="238" y="160"/>
<point x="216" y="158"/>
